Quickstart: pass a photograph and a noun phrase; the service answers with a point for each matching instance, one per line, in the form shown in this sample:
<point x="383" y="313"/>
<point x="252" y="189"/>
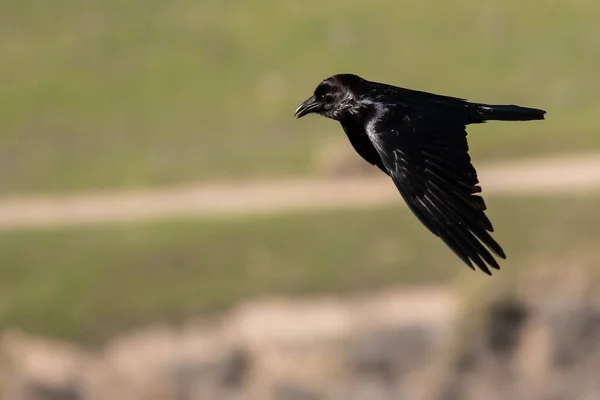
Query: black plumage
<point x="419" y="139"/>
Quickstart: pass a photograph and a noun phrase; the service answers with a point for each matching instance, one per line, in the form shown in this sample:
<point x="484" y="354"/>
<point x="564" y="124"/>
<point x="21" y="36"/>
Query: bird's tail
<point x="485" y="112"/>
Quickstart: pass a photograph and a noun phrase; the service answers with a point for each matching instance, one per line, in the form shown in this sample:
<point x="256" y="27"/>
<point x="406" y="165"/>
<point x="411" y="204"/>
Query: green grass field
<point x="87" y="284"/>
<point x="115" y="94"/>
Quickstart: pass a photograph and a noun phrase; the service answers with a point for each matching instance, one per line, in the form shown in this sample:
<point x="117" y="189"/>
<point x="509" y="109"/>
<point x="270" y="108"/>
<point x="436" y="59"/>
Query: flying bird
<point x="419" y="139"/>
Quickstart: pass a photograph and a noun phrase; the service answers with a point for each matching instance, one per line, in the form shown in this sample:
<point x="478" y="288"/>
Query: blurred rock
<point x="577" y="336"/>
<point x="369" y="390"/>
<point x="379" y="347"/>
<point x="226" y="375"/>
<point x="387" y="354"/>
<point x="37" y="391"/>
<point x="505" y="326"/>
<point x="289" y="391"/>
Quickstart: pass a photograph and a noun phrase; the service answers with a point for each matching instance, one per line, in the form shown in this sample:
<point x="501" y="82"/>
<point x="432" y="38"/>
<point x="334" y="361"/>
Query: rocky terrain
<point x="418" y="344"/>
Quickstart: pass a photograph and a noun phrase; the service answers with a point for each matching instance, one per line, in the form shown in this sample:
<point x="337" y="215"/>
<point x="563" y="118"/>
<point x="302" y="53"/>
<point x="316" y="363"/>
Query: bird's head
<point x="333" y="98"/>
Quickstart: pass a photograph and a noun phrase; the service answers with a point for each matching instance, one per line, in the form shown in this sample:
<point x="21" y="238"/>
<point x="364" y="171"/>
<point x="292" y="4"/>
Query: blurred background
<point x="170" y="231"/>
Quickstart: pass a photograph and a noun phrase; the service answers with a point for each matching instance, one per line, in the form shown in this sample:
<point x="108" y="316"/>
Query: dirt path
<point x="577" y="175"/>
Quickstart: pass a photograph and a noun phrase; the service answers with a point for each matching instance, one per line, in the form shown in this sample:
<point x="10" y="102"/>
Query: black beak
<point x="309" y="106"/>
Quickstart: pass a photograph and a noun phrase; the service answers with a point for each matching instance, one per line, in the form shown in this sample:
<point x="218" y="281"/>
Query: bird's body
<point x="419" y="140"/>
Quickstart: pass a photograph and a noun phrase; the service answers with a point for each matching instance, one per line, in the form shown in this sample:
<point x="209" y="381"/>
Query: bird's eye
<point x="326" y="97"/>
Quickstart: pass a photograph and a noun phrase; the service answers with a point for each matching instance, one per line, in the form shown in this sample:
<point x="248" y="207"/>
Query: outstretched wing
<point x="424" y="148"/>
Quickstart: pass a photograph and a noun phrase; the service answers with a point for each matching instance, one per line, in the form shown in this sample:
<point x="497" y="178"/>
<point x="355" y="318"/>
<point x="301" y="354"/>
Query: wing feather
<point x="425" y="152"/>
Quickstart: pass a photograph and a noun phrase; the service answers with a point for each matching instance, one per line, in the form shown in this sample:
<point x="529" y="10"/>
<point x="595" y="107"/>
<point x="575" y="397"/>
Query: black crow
<point x="419" y="139"/>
